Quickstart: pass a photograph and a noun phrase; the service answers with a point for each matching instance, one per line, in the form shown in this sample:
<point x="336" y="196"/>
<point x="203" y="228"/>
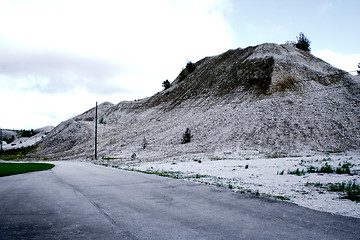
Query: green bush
<point x="190" y="67"/>
<point x="297" y="172"/>
<point x="186" y="136"/>
<point x="166" y="84"/>
<point x="303" y="43"/>
<point x="326" y="169"/>
<point x="351" y="189"/>
<point x="27" y="133"/>
<point x="9" y="140"/>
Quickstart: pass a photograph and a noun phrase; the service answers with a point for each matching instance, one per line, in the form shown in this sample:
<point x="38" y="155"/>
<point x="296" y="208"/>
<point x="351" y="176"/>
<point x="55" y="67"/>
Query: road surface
<point x="77" y="200"/>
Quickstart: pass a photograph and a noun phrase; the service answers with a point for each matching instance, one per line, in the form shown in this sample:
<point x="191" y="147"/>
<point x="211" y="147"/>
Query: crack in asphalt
<point x="102" y="211"/>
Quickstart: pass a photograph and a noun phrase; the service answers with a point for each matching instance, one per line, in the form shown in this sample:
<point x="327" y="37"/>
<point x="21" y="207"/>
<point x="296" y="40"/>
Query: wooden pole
<point x="96" y="109"/>
<point x="1" y="140"/>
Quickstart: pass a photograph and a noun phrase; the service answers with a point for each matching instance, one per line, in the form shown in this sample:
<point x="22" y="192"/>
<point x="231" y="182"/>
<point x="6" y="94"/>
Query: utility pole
<point x="96" y="108"/>
<point x="1" y="140"/>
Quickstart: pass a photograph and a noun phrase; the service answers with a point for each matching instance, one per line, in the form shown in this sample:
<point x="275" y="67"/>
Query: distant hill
<point x="267" y="98"/>
<point x="13" y="139"/>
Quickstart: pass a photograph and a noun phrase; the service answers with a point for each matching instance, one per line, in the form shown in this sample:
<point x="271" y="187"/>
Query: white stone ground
<point x="265" y="176"/>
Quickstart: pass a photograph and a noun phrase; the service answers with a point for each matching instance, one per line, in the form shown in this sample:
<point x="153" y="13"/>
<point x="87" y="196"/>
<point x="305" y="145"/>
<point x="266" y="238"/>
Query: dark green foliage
<point x="303" y="43"/>
<point x="7" y="169"/>
<point x="358" y="71"/>
<point x="26" y="133"/>
<point x="351" y="189"/>
<point x="182" y="75"/>
<point x="282" y="197"/>
<point x="144" y="143"/>
<point x="344" y="169"/>
<point x="9" y="140"/>
<point x="18" y="153"/>
<point x="312" y="169"/>
<point x="102" y="121"/>
<point x="186" y="136"/>
<point x="166" y="84"/>
<point x="190" y="67"/>
<point x="326" y="169"/>
<point x="297" y="172"/>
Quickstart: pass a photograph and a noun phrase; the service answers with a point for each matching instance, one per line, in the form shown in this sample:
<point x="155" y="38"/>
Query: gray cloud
<point x="53" y="72"/>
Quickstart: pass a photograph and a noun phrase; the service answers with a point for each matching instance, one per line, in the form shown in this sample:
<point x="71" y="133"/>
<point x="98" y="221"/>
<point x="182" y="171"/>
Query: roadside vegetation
<point x="344" y="168"/>
<point x="18" y="153"/>
<point x="7" y="169"/>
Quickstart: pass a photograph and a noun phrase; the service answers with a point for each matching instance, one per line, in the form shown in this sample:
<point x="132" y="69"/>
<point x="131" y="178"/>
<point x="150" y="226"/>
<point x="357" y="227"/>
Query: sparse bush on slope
<point x="190" y="67"/>
<point x="186" y="136"/>
<point x="166" y="84"/>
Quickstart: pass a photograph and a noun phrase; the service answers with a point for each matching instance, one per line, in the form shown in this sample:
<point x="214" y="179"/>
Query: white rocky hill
<point x="268" y="98"/>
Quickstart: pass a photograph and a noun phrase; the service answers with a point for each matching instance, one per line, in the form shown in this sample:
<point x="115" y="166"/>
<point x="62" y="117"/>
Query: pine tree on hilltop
<point x="303" y="43"/>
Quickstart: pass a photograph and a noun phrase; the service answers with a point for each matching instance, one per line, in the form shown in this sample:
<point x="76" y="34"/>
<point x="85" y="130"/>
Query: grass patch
<point x="326" y="169"/>
<point x="333" y="151"/>
<point x="351" y="190"/>
<point x="281" y="197"/>
<point x="277" y="155"/>
<point x="169" y="174"/>
<point x="297" y="172"/>
<point x="343" y="169"/>
<point x="109" y="158"/>
<point x="7" y="169"/>
<point x="18" y="153"/>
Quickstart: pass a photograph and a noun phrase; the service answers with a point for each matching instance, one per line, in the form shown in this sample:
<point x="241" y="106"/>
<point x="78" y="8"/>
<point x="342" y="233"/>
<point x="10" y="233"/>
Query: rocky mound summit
<point x="267" y="98"/>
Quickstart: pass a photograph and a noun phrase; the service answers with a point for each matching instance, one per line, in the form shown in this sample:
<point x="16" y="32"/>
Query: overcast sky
<point x="58" y="57"/>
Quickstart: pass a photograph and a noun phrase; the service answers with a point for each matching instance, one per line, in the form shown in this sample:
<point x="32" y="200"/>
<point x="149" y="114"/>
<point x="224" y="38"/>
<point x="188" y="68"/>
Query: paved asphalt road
<point x="78" y="200"/>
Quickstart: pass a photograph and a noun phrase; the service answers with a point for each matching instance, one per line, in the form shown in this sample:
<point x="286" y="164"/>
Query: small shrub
<point x="190" y="67"/>
<point x="186" y="136"/>
<point x="231" y="186"/>
<point x="326" y="169"/>
<point x="182" y="75"/>
<point x="312" y="169"/>
<point x="133" y="156"/>
<point x="246" y="166"/>
<point x="297" y="172"/>
<point x="102" y="121"/>
<point x="144" y="143"/>
<point x="166" y="84"/>
<point x="344" y="169"/>
<point x="282" y="197"/>
<point x="277" y="155"/>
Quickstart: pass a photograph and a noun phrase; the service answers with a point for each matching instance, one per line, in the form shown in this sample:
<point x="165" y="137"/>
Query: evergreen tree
<point x="166" y="84"/>
<point x="186" y="136"/>
<point x="303" y="43"/>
